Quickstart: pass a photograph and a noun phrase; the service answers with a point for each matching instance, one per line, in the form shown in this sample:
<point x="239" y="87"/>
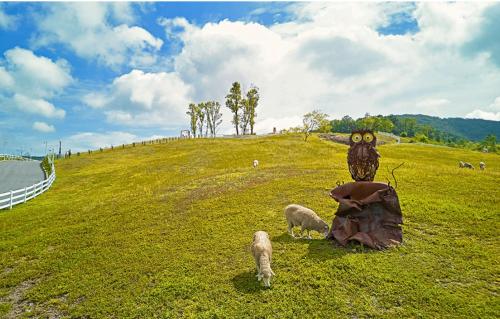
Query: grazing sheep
<point x="465" y="165"/>
<point x="262" y="252"/>
<point x="306" y="218"/>
<point x="255" y="163"/>
<point x="482" y="165"/>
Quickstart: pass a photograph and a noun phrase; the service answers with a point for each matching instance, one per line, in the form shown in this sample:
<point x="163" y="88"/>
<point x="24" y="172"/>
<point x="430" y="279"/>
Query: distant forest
<point x="424" y="128"/>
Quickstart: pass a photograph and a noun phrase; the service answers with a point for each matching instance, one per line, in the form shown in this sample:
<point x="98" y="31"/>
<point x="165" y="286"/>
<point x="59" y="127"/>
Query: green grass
<point x="164" y="231"/>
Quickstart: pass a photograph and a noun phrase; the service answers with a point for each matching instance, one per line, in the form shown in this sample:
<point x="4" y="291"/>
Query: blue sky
<point x="103" y="74"/>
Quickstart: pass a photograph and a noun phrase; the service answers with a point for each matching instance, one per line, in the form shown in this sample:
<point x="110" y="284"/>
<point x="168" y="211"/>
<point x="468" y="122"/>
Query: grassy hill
<point x="471" y="129"/>
<point x="164" y="231"/>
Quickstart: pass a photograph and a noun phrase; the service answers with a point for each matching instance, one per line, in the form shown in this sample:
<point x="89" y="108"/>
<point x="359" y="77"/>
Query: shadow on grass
<point x="286" y="238"/>
<point x="320" y="249"/>
<point x="246" y="282"/>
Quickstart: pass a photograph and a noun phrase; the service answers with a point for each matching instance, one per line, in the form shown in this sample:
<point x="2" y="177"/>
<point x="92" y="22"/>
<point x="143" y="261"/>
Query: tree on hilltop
<point x="193" y="115"/>
<point x="315" y="121"/>
<point x="214" y="116"/>
<point x="252" y="102"/>
<point x="234" y="103"/>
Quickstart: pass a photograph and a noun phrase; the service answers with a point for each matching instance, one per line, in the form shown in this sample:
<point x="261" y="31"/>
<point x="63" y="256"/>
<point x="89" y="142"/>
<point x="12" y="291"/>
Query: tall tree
<point x="252" y="101"/>
<point x="193" y="115"/>
<point x="233" y="102"/>
<point x="245" y="116"/>
<point x="314" y="121"/>
<point x="214" y="116"/>
<point x="200" y="111"/>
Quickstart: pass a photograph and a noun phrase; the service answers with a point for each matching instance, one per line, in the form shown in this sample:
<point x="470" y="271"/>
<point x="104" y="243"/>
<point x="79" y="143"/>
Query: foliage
<point x="47" y="168"/>
<point x="245" y="116"/>
<point x="163" y="231"/>
<point x="252" y="101"/>
<point x="200" y="113"/>
<point x="315" y="121"/>
<point x="193" y="116"/>
<point x="214" y="116"/>
<point x="489" y="143"/>
<point x="234" y="103"/>
<point x="458" y="128"/>
<point x="406" y="127"/>
<point x="248" y="106"/>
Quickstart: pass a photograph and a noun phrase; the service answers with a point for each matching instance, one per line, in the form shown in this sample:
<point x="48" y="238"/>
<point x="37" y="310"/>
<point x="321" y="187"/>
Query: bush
<point x="47" y="168"/>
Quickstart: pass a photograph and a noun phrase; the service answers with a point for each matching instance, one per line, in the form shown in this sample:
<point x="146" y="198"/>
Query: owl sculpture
<point x="362" y="156"/>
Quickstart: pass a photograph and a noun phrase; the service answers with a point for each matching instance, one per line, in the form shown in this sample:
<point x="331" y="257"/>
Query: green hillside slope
<point x="471" y="129"/>
<point x="164" y="231"/>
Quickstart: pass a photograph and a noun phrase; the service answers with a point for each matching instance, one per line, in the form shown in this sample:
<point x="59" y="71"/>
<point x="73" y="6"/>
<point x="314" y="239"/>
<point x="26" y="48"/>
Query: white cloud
<point x="331" y="57"/>
<point x="98" y="31"/>
<point x="36" y="75"/>
<point x="91" y="140"/>
<point x="448" y="23"/>
<point x="267" y="125"/>
<point x="28" y="81"/>
<point x="38" y="106"/>
<point x="484" y="115"/>
<point x="490" y="112"/>
<point x="6" y="21"/>
<point x="95" y="100"/>
<point x="495" y="106"/>
<point x="143" y="99"/>
<point x="6" y="80"/>
<point x="43" y="127"/>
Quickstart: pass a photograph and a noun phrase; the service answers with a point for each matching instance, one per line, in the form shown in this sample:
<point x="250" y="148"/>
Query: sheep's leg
<point x="302" y="231"/>
<point x="290" y="230"/>
<point x="308" y="234"/>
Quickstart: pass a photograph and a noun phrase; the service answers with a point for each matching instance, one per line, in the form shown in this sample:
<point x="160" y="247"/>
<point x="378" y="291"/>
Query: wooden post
<point x="25" y="194"/>
<point x="10" y="200"/>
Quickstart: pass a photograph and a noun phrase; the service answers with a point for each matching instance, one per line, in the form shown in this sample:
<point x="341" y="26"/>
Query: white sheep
<point x="262" y="252"/>
<point x="255" y="163"/>
<point x="466" y="165"/>
<point x="482" y="165"/>
<point x="306" y="218"/>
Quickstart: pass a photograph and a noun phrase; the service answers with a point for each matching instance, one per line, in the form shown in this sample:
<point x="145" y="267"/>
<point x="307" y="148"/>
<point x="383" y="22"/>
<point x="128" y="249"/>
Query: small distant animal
<point x="255" y="163"/>
<point x="262" y="252"/>
<point x="465" y="165"/>
<point x="482" y="165"/>
<point x="306" y="218"/>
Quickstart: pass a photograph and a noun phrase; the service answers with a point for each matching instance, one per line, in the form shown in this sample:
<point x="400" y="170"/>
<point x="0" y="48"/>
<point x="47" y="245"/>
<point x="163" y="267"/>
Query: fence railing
<point x="22" y="195"/>
<point x="9" y="157"/>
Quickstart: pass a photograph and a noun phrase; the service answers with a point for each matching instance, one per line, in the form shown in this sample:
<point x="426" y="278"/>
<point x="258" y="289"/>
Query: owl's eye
<point x="356" y="137"/>
<point x="368" y="137"/>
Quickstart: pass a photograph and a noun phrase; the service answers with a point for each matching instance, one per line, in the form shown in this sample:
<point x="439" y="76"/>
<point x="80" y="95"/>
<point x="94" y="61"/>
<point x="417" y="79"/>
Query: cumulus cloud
<point x="38" y="106"/>
<point x="330" y="57"/>
<point x="143" y="99"/>
<point x="43" y="127"/>
<point x="98" y="31"/>
<point x="6" y="21"/>
<point x="28" y="81"/>
<point x="484" y="115"/>
<point x="490" y="112"/>
<point x="36" y="75"/>
<point x="91" y="140"/>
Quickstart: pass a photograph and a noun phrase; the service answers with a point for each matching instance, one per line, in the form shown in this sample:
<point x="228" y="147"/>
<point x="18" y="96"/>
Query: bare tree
<point x="314" y="121"/>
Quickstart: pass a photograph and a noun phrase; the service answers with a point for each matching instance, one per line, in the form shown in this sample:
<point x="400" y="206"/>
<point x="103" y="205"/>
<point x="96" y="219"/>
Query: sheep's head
<point x="323" y="228"/>
<point x="266" y="276"/>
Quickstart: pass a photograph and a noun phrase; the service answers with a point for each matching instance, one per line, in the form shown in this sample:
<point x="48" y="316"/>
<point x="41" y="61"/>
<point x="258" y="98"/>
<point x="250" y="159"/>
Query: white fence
<point x="8" y="157"/>
<point x="14" y="197"/>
